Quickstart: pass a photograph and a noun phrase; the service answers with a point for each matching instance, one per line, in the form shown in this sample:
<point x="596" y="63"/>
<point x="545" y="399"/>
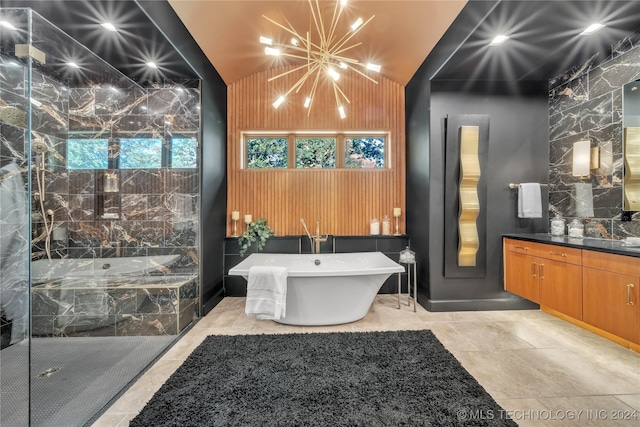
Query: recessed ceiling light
<point x="152" y="65"/>
<point x="498" y="40"/>
<point x="7" y="25"/>
<point x="109" y="26"/>
<point x="73" y="65"/>
<point x="591" y="29"/>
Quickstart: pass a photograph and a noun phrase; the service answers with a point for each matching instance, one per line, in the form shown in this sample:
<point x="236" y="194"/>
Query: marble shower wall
<point x="585" y="102"/>
<point x="157" y="209"/>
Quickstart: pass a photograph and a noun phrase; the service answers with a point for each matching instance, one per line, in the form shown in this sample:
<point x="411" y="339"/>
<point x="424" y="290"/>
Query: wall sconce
<point x="581" y="158"/>
<point x="595" y="158"/>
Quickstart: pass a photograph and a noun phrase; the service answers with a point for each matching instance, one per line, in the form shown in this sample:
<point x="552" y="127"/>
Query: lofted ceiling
<point x="399" y="37"/>
<point x="543" y="42"/>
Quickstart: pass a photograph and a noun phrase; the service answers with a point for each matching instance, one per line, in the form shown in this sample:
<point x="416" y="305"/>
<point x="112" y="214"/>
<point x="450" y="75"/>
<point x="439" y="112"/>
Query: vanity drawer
<point x="561" y="253"/>
<point x="621" y="264"/>
<point x="521" y="246"/>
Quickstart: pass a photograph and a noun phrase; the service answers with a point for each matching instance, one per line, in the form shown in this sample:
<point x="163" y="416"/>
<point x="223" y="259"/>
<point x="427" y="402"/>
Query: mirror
<point x="631" y="145"/>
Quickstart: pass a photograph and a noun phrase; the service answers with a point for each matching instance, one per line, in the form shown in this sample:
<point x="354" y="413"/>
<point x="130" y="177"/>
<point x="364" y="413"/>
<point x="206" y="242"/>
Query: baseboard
<point x="604" y="334"/>
<point x="476" y="304"/>
<point x="212" y="302"/>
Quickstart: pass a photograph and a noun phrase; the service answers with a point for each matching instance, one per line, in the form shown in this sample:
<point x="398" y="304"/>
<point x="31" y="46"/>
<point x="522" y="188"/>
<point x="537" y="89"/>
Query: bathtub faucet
<point x="317" y="239"/>
<point x="314" y="240"/>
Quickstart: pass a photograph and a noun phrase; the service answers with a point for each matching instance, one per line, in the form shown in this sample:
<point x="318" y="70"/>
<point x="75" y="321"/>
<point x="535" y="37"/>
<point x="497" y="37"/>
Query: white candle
<point x="247" y="219"/>
<point x="397" y="212"/>
<point x="235" y="215"/>
<point x="374" y="227"/>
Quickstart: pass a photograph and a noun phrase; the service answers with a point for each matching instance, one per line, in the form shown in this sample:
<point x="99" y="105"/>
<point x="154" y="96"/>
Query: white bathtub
<point x="340" y="289"/>
<point x="43" y="270"/>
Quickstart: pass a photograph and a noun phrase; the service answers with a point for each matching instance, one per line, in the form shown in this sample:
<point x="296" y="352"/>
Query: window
<point x="88" y="153"/>
<point x="265" y="153"/>
<point x="140" y="153"/>
<point x="364" y="152"/>
<point x="315" y="152"/>
<point x="184" y="153"/>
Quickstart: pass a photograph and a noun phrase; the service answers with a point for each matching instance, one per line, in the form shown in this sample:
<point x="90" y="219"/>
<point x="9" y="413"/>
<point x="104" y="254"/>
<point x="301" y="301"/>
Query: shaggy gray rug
<point x="404" y="378"/>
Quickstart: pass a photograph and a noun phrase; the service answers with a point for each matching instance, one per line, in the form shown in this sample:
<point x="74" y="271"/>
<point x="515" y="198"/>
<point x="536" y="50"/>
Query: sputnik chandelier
<point x="324" y="54"/>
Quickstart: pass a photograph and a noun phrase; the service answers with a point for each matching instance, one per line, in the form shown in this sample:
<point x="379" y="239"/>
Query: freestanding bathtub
<point x="326" y="289"/>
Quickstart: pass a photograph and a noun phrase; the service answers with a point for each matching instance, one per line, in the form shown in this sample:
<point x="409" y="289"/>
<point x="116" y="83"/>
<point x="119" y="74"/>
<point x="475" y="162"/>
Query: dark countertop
<point x="590" y="243"/>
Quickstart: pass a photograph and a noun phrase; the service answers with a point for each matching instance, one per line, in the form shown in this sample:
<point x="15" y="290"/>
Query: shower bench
<point x="114" y="306"/>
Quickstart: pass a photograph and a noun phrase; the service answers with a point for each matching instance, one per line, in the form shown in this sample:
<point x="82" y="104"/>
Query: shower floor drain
<point x="48" y="372"/>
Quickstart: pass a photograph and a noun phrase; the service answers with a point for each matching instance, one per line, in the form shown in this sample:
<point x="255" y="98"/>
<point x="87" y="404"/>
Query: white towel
<point x="584" y="199"/>
<point x="267" y="292"/>
<point x="529" y="200"/>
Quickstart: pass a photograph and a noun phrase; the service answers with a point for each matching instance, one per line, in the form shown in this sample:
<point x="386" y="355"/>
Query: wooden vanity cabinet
<point x="549" y="275"/>
<point x="598" y="291"/>
<point x="561" y="279"/>
<point x="521" y="269"/>
<point x="611" y="290"/>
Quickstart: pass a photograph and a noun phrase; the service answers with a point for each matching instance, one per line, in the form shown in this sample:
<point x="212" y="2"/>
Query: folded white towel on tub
<point x="267" y="292"/>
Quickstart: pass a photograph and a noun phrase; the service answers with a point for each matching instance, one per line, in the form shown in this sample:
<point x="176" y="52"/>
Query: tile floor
<point x="541" y="370"/>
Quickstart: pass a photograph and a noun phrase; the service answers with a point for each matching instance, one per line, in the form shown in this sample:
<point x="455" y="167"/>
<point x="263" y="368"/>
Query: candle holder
<point x="247" y="220"/>
<point x="396" y="214"/>
<point x="235" y="216"/>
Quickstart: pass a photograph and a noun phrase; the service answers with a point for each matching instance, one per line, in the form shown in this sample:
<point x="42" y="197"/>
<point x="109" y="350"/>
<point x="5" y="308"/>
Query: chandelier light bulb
<point x="356" y="24"/>
<point x="278" y="101"/>
<point x="374" y="67"/>
<point x="272" y="51"/>
<point x="321" y="50"/>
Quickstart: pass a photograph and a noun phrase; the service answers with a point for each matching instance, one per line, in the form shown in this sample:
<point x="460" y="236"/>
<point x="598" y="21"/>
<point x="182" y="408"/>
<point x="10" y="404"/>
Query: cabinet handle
<point x="629" y="287"/>
<point x="521" y="247"/>
<point x="533" y="269"/>
<point x="557" y="253"/>
<point x="541" y="271"/>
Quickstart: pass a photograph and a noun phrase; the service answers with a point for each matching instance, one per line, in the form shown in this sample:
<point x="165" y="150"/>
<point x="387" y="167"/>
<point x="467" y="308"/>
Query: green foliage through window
<point x="315" y="152"/>
<point x="364" y="153"/>
<point x="88" y="153"/>
<point x="140" y="153"/>
<point x="184" y="153"/>
<point x="266" y="153"/>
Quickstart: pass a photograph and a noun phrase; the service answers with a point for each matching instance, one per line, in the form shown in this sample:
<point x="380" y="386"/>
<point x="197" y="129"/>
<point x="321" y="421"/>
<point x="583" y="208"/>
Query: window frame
<point x="113" y="150"/>
<point x="292" y="136"/>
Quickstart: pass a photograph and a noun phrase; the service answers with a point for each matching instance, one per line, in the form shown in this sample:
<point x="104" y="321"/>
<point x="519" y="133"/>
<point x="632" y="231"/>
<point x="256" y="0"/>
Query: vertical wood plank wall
<point x="343" y="200"/>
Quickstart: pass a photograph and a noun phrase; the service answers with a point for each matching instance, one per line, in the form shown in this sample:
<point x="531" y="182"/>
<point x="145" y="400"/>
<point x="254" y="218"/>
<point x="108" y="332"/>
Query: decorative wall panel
<point x="465" y="195"/>
<point x="343" y="200"/>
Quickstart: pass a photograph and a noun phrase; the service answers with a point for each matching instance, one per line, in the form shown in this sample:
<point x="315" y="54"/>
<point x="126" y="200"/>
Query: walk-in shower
<point x="99" y="207"/>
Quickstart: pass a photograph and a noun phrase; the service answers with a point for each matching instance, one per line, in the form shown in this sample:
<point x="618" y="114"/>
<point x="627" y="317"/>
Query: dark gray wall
<point x="214" y="134"/>
<point x="518" y="152"/>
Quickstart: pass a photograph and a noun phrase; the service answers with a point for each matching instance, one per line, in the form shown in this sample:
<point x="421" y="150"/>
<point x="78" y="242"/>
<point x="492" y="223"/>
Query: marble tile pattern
<point x="155" y="211"/>
<point x="585" y="102"/>
<point x="543" y="371"/>
<point x="150" y="305"/>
